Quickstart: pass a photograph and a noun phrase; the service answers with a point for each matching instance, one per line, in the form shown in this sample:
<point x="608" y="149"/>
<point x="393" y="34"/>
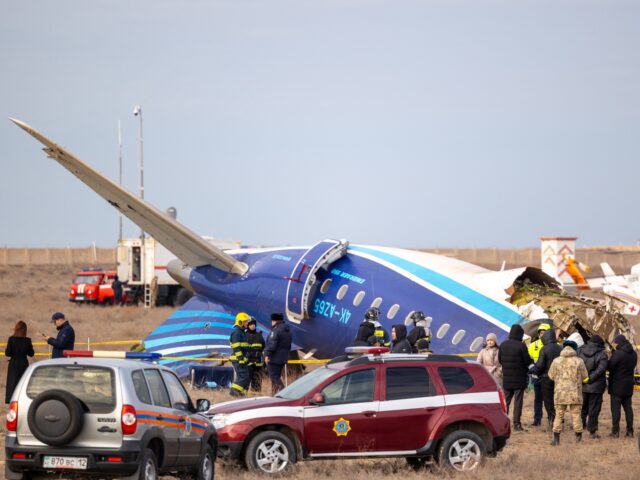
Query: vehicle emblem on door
<point x="342" y="427"/>
<point x="187" y="425"/>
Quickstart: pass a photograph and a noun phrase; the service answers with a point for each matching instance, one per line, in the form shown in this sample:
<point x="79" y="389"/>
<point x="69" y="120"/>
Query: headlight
<point x="219" y="421"/>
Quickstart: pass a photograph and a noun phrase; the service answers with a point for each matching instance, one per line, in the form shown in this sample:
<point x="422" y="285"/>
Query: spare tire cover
<point x="55" y="417"/>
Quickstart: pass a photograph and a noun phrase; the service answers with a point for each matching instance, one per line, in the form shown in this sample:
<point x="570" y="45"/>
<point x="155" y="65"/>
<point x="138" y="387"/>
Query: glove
<point x="585" y="380"/>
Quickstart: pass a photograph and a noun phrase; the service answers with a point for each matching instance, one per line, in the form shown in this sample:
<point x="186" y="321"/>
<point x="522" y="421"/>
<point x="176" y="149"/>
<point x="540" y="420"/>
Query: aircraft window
<point x="325" y="286"/>
<point x="458" y="337"/>
<point x="358" y="298"/>
<point x="407" y="319"/>
<point x="392" y="311"/>
<point x="342" y="292"/>
<point x="442" y="331"/>
<point x="476" y="344"/>
<point x="377" y="302"/>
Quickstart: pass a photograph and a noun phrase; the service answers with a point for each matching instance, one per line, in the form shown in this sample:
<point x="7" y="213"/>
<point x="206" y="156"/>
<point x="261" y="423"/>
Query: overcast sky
<point x="398" y="123"/>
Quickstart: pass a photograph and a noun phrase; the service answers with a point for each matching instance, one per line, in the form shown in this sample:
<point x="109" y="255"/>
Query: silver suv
<point x="106" y="418"/>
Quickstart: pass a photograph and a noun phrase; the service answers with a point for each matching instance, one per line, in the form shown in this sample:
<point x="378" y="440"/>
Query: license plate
<point x="73" y="463"/>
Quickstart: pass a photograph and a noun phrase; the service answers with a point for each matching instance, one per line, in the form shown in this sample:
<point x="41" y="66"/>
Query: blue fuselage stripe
<point x="458" y="290"/>
<point x="185" y="325"/>
<point x="183" y="338"/>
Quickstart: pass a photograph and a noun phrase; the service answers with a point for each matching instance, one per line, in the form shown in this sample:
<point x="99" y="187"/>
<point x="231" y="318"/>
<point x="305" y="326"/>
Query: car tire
<point x="462" y="451"/>
<point x="67" y="413"/>
<point x="11" y="475"/>
<point x="270" y="452"/>
<point x="148" y="468"/>
<point x="206" y="464"/>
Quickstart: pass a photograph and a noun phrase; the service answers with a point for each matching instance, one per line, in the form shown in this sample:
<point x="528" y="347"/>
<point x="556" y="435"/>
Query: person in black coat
<point x="399" y="339"/>
<point x="276" y="353"/>
<point x="19" y="346"/>
<point x="595" y="359"/>
<point x="66" y="338"/>
<point x="255" y="362"/>
<point x="515" y="361"/>
<point x="549" y="352"/>
<point x="367" y="327"/>
<point x="621" y="368"/>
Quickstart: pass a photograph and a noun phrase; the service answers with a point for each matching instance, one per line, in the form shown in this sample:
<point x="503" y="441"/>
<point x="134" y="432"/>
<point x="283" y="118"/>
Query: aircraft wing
<point x="182" y="242"/>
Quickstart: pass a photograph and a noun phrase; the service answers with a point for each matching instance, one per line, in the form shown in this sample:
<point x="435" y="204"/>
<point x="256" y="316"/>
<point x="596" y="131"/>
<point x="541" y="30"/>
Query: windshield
<point x="305" y="384"/>
<point x="87" y="279"/>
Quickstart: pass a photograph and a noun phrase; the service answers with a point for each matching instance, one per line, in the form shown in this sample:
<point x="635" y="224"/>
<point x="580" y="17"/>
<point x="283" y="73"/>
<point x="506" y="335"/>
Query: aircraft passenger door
<point x="303" y="276"/>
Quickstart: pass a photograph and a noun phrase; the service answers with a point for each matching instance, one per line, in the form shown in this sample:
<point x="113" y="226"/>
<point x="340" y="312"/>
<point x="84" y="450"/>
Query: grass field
<point x="33" y="293"/>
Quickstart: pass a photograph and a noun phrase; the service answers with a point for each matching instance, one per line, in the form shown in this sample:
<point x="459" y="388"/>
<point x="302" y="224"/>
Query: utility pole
<point x="120" y="175"/>
<point x="137" y="112"/>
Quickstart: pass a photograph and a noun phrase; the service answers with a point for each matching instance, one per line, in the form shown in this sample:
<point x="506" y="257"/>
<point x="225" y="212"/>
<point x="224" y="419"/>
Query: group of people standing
<point x="372" y="334"/>
<point x="250" y="353"/>
<point x="568" y="375"/>
<point x="19" y="347"/>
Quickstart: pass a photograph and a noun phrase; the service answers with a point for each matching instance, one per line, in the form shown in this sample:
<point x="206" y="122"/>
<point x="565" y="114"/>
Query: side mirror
<point x="202" y="405"/>
<point x="317" y="399"/>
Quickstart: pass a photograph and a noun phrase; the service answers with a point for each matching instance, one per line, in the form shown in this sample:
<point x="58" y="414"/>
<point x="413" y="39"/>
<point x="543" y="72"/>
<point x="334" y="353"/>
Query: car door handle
<point x="181" y="419"/>
<point x="159" y="417"/>
<point x="430" y="409"/>
<point x="369" y="413"/>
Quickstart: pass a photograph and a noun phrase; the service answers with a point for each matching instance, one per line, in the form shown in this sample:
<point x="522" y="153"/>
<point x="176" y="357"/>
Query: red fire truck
<point x="92" y="285"/>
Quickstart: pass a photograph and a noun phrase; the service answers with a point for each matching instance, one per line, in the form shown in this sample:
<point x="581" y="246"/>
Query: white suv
<point x="93" y="417"/>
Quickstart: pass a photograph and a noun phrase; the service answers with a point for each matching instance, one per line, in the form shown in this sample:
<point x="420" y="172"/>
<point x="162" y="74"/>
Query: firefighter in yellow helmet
<point x="534" y="353"/>
<point x="240" y="346"/>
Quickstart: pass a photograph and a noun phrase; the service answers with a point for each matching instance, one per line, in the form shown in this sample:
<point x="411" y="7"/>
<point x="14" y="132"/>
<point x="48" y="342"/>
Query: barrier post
<point x="286" y="376"/>
<point x="88" y="343"/>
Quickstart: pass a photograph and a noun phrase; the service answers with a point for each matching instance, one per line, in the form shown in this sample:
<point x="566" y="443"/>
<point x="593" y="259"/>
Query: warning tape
<point x="111" y="342"/>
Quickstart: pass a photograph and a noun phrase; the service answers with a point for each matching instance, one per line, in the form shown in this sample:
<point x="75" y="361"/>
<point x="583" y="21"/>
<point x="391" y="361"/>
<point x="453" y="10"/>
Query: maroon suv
<point x="422" y="407"/>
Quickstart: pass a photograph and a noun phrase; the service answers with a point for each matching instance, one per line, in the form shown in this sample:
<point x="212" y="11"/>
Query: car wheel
<point x="270" y="452"/>
<point x="206" y="464"/>
<point x="148" y="468"/>
<point x="55" y="417"/>
<point x="462" y="451"/>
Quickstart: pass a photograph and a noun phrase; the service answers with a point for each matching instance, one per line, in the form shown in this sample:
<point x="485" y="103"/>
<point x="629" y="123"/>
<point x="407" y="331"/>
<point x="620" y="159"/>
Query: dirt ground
<point x="33" y="293"/>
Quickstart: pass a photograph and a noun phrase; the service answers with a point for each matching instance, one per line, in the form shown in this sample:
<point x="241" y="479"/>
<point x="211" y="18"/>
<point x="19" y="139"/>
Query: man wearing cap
<point x="65" y="339"/>
<point x="240" y="346"/>
<point x="621" y="369"/>
<point x="276" y="353"/>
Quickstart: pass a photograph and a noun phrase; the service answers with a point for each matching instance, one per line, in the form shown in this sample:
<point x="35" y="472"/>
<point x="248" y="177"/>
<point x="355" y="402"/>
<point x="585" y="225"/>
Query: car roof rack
<point x="405" y="357"/>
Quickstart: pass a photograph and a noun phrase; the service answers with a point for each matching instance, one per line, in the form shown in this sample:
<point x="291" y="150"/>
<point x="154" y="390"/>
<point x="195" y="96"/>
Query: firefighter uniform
<point x="382" y="337"/>
<point x="240" y="346"/>
<point x="254" y="357"/>
<point x="420" y="336"/>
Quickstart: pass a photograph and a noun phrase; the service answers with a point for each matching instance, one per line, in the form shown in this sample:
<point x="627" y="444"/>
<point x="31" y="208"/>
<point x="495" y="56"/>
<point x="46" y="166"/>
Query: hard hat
<point x="242" y="318"/>
<point x="372" y="314"/>
<point x="418" y="316"/>
<point x="544" y="327"/>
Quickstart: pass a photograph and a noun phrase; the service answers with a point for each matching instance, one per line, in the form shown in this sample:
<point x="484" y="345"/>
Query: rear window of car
<point x="408" y="382"/>
<point x="455" y="379"/>
<point x="93" y="386"/>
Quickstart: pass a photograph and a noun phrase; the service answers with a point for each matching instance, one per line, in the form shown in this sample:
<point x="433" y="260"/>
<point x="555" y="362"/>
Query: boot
<point x="556" y="439"/>
<point x="614" y="434"/>
<point x="594" y="435"/>
<point x="629" y="433"/>
<point x="578" y="437"/>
